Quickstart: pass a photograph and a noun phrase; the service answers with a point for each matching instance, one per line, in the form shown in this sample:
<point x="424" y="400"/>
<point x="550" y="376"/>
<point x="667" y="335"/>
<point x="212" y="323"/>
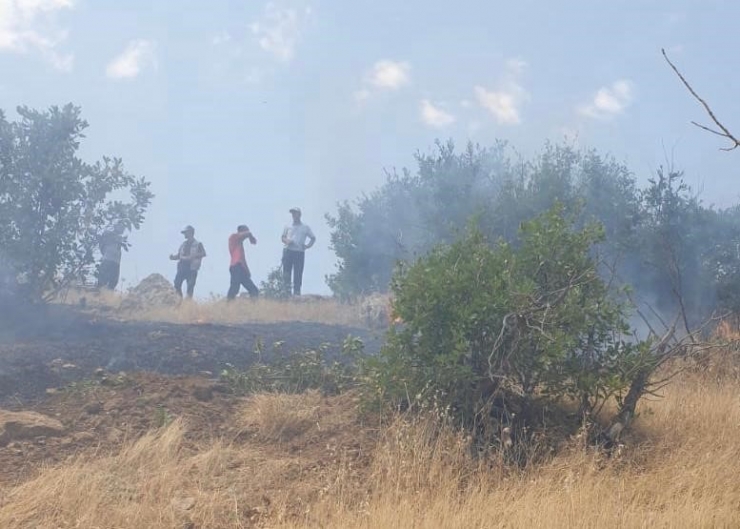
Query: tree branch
<point x="724" y="132"/>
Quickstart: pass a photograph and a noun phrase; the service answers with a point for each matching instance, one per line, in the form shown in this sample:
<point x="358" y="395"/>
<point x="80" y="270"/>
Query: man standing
<point x="188" y="258"/>
<point x="111" y="244"/>
<point x="238" y="269"/>
<point x="294" y="253"/>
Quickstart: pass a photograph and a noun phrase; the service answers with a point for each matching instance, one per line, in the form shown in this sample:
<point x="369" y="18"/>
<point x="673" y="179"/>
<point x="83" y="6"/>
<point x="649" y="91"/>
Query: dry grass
<point x="291" y="468"/>
<point x="308" y="309"/>
<point x="262" y="310"/>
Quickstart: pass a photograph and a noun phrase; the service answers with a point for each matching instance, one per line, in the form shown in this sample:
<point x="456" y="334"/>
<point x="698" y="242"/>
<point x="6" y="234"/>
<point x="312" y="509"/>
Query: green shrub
<point x="488" y="322"/>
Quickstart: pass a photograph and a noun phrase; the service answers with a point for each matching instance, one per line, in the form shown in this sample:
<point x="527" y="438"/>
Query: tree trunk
<point x="627" y="410"/>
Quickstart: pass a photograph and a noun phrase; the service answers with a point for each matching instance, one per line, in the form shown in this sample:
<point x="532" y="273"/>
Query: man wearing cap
<point x="294" y="250"/>
<point x="238" y="269"/>
<point x="188" y="258"/>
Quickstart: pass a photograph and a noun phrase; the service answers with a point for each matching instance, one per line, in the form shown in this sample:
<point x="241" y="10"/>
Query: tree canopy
<point x="660" y="238"/>
<point x="53" y="205"/>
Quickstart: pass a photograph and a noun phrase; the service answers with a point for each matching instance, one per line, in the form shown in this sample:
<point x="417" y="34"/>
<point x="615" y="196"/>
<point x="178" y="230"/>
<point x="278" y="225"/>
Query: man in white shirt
<point x="294" y="251"/>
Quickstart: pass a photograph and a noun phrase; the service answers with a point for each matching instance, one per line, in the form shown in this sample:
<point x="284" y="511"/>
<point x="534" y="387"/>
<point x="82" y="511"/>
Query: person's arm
<point x="311" y="238"/>
<point x="247" y="235"/>
<point x="200" y="251"/>
<point x="177" y="255"/>
<point x="284" y="238"/>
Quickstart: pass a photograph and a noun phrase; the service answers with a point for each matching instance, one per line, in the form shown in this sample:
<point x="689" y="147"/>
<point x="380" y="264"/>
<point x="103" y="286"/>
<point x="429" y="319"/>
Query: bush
<point x="274" y="287"/>
<point x="485" y="323"/>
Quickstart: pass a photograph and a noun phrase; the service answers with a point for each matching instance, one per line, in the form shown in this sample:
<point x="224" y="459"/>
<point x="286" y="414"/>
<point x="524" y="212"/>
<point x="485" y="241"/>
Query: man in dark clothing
<point x="111" y="244"/>
<point x="238" y="269"/>
<point x="188" y="258"/>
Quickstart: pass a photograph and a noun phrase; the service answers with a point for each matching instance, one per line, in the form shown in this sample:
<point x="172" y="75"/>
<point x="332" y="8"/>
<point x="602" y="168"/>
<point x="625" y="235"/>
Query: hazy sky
<point x="238" y="110"/>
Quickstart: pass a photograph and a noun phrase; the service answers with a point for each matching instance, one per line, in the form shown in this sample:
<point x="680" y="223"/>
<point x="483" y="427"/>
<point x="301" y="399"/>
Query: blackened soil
<point x="57" y="345"/>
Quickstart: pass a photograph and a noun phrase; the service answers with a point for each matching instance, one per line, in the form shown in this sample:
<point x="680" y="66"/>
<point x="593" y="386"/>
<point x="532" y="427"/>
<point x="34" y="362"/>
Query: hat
<point x="296" y="210"/>
<point x="187" y="229"/>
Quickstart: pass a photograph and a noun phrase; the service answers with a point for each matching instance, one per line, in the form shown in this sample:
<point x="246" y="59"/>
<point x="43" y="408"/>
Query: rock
<point x="27" y="425"/>
<point x="93" y="408"/>
<point x="153" y="291"/>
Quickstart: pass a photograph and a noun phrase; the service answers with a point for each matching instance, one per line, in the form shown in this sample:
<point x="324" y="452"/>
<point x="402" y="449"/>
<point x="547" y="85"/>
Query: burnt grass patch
<point x="58" y="345"/>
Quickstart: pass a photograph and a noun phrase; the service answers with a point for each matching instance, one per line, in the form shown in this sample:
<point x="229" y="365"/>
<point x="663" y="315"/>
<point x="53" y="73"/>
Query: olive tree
<point x="53" y="205"/>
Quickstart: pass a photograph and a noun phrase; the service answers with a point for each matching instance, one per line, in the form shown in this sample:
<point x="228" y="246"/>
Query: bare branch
<point x="724" y="132"/>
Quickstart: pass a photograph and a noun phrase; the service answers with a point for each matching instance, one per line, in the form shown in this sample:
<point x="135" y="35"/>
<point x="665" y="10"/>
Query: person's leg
<point x="103" y="274"/>
<point x="192" y="278"/>
<point x="298" y="262"/>
<point x="235" y="283"/>
<point x="179" y="278"/>
<point x="249" y="285"/>
<point x="115" y="274"/>
<point x="287" y="269"/>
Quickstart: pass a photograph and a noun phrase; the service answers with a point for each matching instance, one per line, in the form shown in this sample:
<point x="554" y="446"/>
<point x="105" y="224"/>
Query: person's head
<point x="241" y="228"/>
<point x="119" y="228"/>
<point x="188" y="232"/>
<point x="296" y="213"/>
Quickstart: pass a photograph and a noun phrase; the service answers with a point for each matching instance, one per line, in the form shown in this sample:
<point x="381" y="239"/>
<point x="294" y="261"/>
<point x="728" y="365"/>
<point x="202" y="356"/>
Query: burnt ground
<point x="56" y="345"/>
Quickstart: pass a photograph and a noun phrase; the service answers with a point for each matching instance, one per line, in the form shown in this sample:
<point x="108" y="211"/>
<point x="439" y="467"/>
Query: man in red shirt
<point x="240" y="274"/>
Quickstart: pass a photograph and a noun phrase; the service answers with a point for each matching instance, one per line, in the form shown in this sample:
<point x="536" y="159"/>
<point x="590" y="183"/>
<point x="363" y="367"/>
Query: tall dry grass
<point x="680" y="468"/>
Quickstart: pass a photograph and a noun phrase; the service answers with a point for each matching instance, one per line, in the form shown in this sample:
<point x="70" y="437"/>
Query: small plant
<point x="162" y="417"/>
<point x="275" y="287"/>
<point x="298" y="371"/>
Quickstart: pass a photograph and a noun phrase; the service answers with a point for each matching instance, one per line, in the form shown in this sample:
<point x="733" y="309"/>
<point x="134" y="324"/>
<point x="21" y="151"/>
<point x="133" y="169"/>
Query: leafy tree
<point x="484" y="321"/>
<point x="410" y="214"/>
<point x="54" y="206"/>
<point x="680" y="255"/>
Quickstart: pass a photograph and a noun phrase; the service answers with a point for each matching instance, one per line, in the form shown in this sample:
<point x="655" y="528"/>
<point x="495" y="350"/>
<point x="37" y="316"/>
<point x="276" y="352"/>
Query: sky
<point x="237" y="111"/>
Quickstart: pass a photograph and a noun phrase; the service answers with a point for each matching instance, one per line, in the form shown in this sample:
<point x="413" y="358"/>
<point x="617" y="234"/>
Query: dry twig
<point x="723" y="131"/>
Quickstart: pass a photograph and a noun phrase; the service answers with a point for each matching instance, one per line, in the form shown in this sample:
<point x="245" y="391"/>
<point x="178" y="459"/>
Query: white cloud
<point x="435" y="117"/>
<point x="138" y="55"/>
<point x="389" y="75"/>
<point x="504" y="102"/>
<point x="609" y="101"/>
<point x="279" y="30"/>
<point x="29" y="25"/>
<point x="385" y="75"/>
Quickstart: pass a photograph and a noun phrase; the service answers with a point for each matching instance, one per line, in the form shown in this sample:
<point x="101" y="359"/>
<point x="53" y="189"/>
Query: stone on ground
<point x="18" y="426"/>
<point x="153" y="291"/>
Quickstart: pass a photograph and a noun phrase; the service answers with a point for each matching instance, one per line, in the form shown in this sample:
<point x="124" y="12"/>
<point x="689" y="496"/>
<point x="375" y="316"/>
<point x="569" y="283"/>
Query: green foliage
<point x="274" y="286"/>
<point x="298" y="371"/>
<point x="661" y="239"/>
<point x="162" y="417"/>
<point x="54" y="206"/>
<point x="485" y="320"/>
